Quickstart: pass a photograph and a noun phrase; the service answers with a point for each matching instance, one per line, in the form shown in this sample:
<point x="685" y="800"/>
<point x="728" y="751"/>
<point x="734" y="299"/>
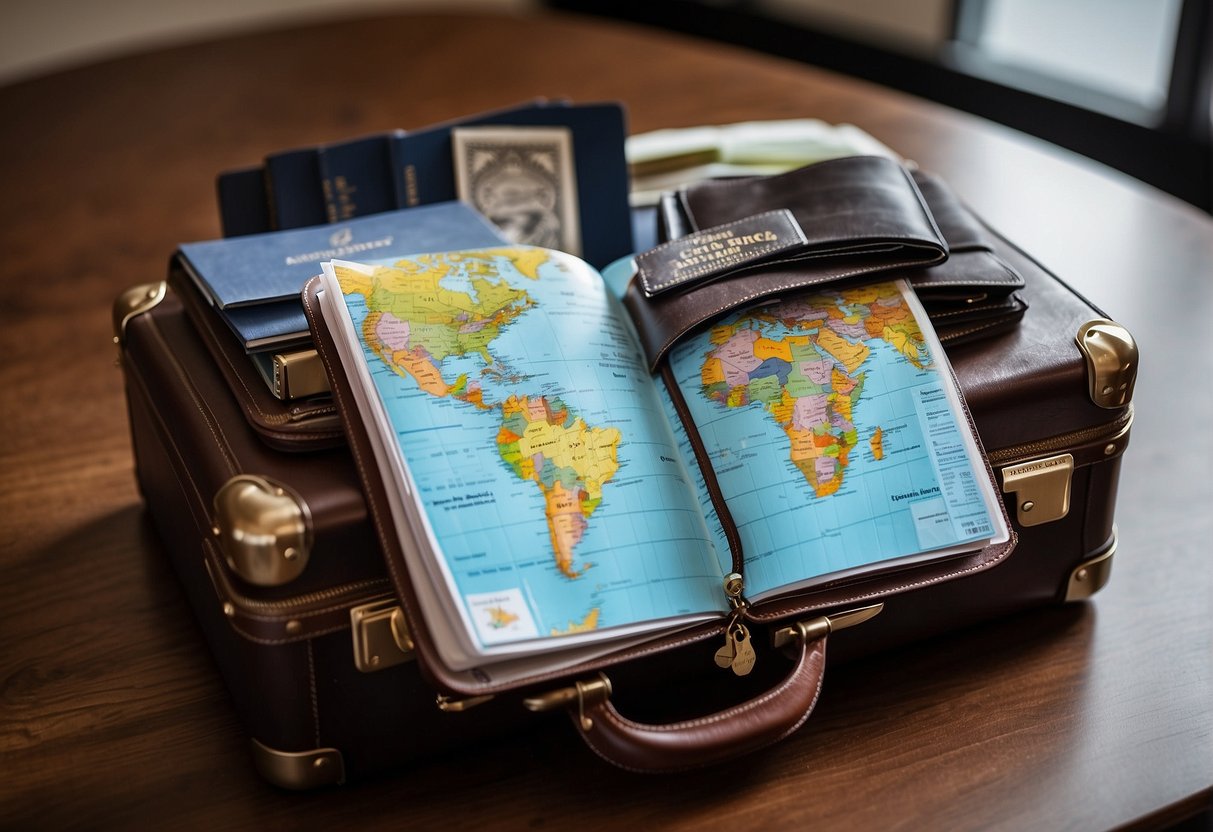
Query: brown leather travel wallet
<point x="968" y="294"/>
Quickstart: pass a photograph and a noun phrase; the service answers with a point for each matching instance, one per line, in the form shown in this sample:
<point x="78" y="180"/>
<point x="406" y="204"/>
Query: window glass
<point x="1122" y="48"/>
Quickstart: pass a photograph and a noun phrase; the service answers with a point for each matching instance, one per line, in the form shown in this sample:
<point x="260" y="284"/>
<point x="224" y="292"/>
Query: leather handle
<point x="732" y="732"/>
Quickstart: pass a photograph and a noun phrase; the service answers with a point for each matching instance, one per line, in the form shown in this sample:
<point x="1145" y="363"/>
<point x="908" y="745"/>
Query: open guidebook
<point x="553" y="499"/>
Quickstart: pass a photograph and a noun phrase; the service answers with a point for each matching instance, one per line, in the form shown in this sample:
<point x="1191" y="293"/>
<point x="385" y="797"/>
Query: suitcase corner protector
<point x="1111" y="357"/>
<point x="299" y="770"/>
<point x="135" y="301"/>
<point x="1091" y="575"/>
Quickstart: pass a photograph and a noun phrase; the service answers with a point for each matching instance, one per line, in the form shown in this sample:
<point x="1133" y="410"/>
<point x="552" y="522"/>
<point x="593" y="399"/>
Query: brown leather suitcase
<point x="280" y="566"/>
<point x="278" y="557"/>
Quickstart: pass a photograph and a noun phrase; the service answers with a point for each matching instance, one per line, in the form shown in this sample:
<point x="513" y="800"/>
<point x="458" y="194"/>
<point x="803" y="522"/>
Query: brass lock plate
<point x="1041" y="488"/>
<point x="381" y="635"/>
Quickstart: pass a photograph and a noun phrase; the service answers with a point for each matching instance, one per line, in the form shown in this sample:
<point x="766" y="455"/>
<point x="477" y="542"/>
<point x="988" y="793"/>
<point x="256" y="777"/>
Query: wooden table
<point x="113" y="714"/>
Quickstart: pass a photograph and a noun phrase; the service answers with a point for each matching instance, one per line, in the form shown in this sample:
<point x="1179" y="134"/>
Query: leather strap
<point x="692" y="743"/>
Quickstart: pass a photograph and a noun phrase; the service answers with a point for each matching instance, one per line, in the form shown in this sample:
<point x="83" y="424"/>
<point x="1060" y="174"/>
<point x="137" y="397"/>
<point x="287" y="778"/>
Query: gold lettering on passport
<point x="715" y="251"/>
<point x="411" y="195"/>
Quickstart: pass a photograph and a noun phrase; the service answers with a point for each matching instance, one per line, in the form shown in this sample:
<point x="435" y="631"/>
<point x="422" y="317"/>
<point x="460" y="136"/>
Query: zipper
<point x="1065" y="441"/>
<point x="351" y="591"/>
<point x="705" y="468"/>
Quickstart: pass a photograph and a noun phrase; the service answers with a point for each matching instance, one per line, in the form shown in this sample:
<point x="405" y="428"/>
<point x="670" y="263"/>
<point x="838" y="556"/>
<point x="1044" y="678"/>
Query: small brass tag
<point x="726" y="654"/>
<point x="743" y="662"/>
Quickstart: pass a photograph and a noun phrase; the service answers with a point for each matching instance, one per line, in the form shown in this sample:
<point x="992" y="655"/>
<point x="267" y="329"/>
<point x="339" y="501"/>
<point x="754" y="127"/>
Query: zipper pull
<point x="743" y="660"/>
<point x="734" y="585"/>
<point x="738" y="650"/>
<point x="726" y="654"/>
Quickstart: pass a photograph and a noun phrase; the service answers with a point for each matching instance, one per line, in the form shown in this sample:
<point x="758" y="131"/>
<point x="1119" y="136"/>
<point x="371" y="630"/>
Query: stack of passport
<point x="384" y="195"/>
<point x="403" y="169"/>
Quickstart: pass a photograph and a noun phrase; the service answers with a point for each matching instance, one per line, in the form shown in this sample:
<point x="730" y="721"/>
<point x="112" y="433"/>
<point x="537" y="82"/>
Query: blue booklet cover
<point x="357" y="176"/>
<point x="270" y="326"/>
<point x="296" y="193"/>
<point x="254" y="281"/>
<point x="341" y="180"/>
<point x="243" y="208"/>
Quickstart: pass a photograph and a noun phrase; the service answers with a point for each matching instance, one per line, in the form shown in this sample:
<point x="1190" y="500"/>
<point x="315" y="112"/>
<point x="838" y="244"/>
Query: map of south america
<point x="543" y="441"/>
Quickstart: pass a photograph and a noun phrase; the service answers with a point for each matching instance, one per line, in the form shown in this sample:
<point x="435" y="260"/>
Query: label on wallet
<point x="715" y="251"/>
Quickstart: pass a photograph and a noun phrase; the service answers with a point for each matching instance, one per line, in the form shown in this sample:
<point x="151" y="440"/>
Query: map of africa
<point x="539" y="448"/>
<point x="829" y="432"/>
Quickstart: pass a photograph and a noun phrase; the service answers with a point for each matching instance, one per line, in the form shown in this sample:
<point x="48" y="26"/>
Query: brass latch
<point x="813" y="628"/>
<point x="1041" y="488"/>
<point x="450" y="705"/>
<point x="591" y="692"/>
<point x="381" y="635"/>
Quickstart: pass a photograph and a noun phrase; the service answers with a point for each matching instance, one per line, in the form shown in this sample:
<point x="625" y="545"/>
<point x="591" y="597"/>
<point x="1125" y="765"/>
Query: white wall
<point x="40" y="36"/>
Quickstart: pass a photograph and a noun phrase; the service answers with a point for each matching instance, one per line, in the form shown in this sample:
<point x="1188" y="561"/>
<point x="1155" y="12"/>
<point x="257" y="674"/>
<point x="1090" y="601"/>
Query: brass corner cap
<point x="135" y="301"/>
<point x="1111" y="355"/>
<point x="299" y="769"/>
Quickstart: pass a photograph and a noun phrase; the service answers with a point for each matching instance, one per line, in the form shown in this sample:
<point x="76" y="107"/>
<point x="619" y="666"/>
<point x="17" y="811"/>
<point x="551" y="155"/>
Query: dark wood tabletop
<point x="113" y="715"/>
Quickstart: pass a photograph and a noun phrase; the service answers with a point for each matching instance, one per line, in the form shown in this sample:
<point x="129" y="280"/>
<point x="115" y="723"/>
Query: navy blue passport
<point x="243" y="207"/>
<point x="295" y="187"/>
<point x="269" y="326"/>
<point x="254" y="281"/>
<point x="356" y="176"/>
<point x="424" y="163"/>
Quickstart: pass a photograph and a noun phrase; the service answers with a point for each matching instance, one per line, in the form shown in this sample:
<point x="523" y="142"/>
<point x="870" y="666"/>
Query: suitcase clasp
<point x="1041" y="488"/>
<point x="381" y="635"/>
<point x="585" y="693"/>
<point x="814" y="628"/>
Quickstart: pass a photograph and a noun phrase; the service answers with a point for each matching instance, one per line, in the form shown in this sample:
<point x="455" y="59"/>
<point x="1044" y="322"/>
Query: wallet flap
<point x="973" y="274"/>
<point x="958" y="225"/>
<point x="842" y="204"/>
